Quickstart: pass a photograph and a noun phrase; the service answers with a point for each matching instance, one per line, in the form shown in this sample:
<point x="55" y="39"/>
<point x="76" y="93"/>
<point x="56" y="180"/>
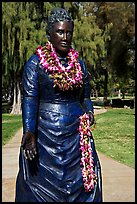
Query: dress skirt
<point x="55" y="174"/>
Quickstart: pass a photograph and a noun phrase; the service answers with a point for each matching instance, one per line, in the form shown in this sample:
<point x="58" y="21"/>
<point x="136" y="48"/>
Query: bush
<point x="6" y="108"/>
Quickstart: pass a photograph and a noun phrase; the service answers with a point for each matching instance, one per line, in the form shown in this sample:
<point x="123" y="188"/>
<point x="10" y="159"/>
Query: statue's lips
<point x="64" y="44"/>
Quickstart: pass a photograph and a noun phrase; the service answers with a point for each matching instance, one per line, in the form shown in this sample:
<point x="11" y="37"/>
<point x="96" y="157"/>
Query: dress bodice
<point x="38" y="89"/>
<point x="50" y="94"/>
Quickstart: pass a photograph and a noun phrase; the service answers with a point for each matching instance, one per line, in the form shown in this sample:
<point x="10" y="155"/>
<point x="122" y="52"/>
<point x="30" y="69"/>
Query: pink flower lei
<point x="64" y="77"/>
<point x="89" y="176"/>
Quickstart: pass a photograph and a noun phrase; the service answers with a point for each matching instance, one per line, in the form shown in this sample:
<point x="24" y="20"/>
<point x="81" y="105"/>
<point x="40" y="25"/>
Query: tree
<point x="91" y="40"/>
<point x="104" y="35"/>
<point x="22" y="31"/>
<point x="121" y="47"/>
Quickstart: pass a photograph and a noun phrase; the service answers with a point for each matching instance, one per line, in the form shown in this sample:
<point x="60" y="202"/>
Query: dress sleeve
<point x="85" y="97"/>
<point x="30" y="95"/>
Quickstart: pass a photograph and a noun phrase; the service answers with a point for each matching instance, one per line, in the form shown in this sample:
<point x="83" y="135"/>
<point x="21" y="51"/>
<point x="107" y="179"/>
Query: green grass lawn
<point x="10" y="125"/>
<point x="114" y="135"/>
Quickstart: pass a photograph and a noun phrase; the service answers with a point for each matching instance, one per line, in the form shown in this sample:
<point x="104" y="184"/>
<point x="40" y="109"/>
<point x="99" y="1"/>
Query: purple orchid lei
<point x="64" y="77"/>
<point x="89" y="176"/>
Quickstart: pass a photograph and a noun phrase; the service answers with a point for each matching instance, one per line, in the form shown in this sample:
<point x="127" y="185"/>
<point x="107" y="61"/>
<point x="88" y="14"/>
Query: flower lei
<point x="89" y="176"/>
<point x="64" y="77"/>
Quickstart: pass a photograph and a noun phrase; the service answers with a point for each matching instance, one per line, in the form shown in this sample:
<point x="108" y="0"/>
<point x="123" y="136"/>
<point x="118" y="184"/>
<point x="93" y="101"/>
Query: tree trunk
<point x="106" y="85"/>
<point x="62" y="4"/>
<point x="123" y="94"/>
<point x="16" y="108"/>
<point x="119" y="93"/>
<point x="96" y="92"/>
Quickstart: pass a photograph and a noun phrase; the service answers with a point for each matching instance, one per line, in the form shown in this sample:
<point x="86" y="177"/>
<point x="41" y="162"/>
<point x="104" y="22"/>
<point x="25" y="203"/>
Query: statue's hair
<point x="57" y="15"/>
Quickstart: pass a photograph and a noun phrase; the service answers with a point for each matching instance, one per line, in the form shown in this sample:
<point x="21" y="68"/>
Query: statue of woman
<point x="58" y="161"/>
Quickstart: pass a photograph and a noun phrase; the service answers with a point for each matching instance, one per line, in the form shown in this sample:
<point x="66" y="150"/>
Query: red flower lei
<point x="89" y="176"/>
<point x="64" y="77"/>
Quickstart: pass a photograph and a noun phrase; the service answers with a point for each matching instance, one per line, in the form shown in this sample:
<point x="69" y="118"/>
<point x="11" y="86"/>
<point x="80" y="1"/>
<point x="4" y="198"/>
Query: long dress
<point x="53" y="116"/>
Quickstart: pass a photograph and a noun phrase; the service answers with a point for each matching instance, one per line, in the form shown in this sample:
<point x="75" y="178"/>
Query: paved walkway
<point x="118" y="179"/>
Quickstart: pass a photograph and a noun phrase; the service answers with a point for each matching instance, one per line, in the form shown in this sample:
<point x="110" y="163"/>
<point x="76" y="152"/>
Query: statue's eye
<point x="69" y="33"/>
<point x="60" y="32"/>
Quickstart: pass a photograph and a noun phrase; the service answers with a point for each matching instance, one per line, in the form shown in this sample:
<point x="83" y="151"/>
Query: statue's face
<point x="61" y="37"/>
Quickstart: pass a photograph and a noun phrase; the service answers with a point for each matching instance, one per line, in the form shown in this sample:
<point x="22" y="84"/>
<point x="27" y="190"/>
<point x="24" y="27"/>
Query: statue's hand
<point x="28" y="144"/>
<point x="91" y="116"/>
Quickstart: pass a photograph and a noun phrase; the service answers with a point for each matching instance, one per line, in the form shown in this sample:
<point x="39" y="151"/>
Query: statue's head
<point x="57" y="15"/>
<point x="59" y="30"/>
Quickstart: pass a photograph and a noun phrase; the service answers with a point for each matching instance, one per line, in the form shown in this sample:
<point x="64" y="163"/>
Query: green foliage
<point x="88" y="38"/>
<point x="115" y="135"/>
<point x="120" y="60"/>
<point x="104" y="36"/>
<point x="121" y="47"/>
